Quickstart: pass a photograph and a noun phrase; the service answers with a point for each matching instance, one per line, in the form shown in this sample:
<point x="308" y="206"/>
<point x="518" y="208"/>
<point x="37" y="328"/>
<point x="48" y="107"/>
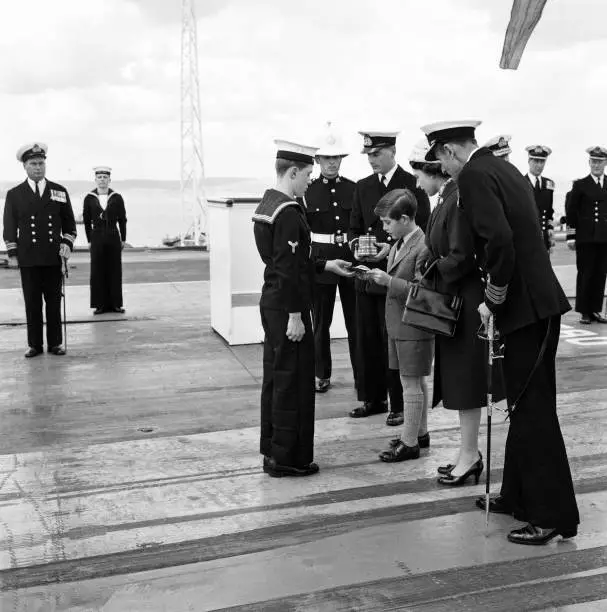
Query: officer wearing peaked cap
<point x="527" y="302"/>
<point x="543" y="190"/>
<point x="375" y="381"/>
<point x="39" y="231"/>
<point x="282" y="236"/>
<point x="104" y="217"/>
<point x="500" y="146"/>
<point x="328" y="202"/>
<point x="586" y="212"/>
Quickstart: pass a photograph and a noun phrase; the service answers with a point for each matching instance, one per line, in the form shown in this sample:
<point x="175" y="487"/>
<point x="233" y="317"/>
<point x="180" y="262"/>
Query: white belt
<point x="328" y="238"/>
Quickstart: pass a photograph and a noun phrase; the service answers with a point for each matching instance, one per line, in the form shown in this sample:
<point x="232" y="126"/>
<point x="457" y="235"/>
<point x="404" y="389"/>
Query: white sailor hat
<point x="292" y="151"/>
<point x="597" y="152"/>
<point x="499" y="145"/>
<point x="102" y="170"/>
<point x="373" y="140"/>
<point x="445" y="131"/>
<point x="32" y="150"/>
<point x="417" y="157"/>
<point x="538" y="151"/>
<point x="331" y="143"/>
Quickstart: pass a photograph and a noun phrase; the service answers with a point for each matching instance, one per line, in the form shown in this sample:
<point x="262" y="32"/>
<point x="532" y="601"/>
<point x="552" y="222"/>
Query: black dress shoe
<point x="447" y="469"/>
<point x="32" y="352"/>
<point x="322" y="385"/>
<point x="277" y="470"/>
<point x="422" y="441"/>
<point x="57" y="350"/>
<point x="399" y="452"/>
<point x="394" y="419"/>
<point x="449" y="480"/>
<point x="368" y="409"/>
<point x="533" y="535"/>
<point x="598" y="317"/>
<point x="585" y="319"/>
<point x="99" y="310"/>
<point x="118" y="309"/>
<point x="497" y="505"/>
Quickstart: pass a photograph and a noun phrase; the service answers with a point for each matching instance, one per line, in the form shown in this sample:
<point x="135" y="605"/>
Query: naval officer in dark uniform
<point x="104" y="217"/>
<point x="527" y="301"/>
<point x="586" y="211"/>
<point x="500" y="146"/>
<point x="328" y="203"/>
<point x="375" y="382"/>
<point x="543" y="191"/>
<point x="282" y="236"/>
<point x="39" y="231"/>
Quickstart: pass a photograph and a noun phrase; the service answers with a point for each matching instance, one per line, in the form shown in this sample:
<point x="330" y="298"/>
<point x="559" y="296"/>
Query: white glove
<point x="64" y="251"/>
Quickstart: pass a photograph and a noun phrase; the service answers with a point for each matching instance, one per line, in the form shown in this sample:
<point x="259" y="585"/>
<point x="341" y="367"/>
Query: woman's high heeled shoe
<point x="457" y="481"/>
<point x="447" y="469"/>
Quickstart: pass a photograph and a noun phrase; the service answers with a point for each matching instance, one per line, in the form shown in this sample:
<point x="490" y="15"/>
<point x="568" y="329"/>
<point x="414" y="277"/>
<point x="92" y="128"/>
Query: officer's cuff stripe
<point x="11" y="245"/>
<point x="496" y="294"/>
<point x="69" y="237"/>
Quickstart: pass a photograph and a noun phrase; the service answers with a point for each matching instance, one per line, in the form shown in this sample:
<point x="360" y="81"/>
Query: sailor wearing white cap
<point x="500" y="146"/>
<point x="283" y="241"/>
<point x="328" y="202"/>
<point x="39" y="231"/>
<point x="587" y="233"/>
<point x="375" y="381"/>
<point x="543" y="190"/>
<point x="104" y="216"/>
<point x="527" y="301"/>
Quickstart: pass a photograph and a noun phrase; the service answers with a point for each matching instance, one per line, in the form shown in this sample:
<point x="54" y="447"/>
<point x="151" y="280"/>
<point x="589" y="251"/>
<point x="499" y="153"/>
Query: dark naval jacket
<point x="363" y="219"/>
<point x="282" y="236"/>
<point x="112" y="219"/>
<point x="497" y="201"/>
<point x="586" y="211"/>
<point x="328" y="203"/>
<point x="544" y="196"/>
<point x="35" y="227"/>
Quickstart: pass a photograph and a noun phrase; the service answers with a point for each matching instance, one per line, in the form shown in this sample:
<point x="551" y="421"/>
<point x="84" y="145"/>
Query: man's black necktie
<point x="37" y="191"/>
<point x="538" y="184"/>
<point x="384" y="183"/>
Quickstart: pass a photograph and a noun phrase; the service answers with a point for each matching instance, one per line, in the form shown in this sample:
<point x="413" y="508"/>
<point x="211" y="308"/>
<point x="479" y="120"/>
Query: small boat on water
<point x="187" y="241"/>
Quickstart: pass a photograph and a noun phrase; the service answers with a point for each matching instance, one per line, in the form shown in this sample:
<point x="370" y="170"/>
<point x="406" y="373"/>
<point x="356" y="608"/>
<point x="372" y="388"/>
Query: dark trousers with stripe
<point x="537" y="480"/>
<point x="322" y="309"/>
<point x="40" y="282"/>
<point x="591" y="260"/>
<point x="287" y="391"/>
<point x="375" y="381"/>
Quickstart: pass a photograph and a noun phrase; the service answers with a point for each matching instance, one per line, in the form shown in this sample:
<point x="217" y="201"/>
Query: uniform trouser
<point x="287" y="391"/>
<point x="537" y="480"/>
<point x="39" y="282"/>
<point x="106" y="270"/>
<point x="375" y="381"/>
<point x="322" y="309"/>
<point x="591" y="260"/>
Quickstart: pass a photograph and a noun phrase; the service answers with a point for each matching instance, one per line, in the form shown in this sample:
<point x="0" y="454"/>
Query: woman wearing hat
<point x="104" y="219"/>
<point x="460" y="363"/>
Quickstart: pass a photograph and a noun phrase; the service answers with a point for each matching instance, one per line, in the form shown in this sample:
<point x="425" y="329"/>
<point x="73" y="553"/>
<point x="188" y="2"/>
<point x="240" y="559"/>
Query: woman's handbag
<point x="431" y="311"/>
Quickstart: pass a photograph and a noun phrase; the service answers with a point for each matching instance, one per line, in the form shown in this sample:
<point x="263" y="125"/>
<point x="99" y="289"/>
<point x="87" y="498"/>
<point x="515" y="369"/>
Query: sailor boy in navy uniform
<point x="543" y="190"/>
<point x="39" y="232"/>
<point x="282" y="237"/>
<point x="328" y="203"/>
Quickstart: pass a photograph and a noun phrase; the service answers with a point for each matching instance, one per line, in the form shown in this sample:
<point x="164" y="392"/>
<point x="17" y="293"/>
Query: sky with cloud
<point x="99" y="81"/>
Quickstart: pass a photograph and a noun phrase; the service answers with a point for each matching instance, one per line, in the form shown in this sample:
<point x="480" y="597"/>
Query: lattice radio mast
<point x="193" y="201"/>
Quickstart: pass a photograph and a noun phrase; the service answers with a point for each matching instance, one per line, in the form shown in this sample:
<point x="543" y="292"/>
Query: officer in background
<point x="543" y="190"/>
<point x="586" y="211"/>
<point x="39" y="231"/>
<point x="375" y="381"/>
<point x="328" y="202"/>
<point x="104" y="218"/>
<point x="524" y="296"/>
<point x="282" y="237"/>
<point x="500" y="146"/>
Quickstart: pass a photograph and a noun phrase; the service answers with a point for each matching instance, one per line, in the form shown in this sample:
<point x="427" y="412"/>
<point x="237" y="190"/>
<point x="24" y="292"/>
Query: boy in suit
<point x="409" y="350"/>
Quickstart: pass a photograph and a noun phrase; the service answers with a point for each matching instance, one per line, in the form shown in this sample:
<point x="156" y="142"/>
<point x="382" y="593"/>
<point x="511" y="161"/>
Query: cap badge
<point x="36" y="149"/>
<point x="368" y="142"/>
<point x="331" y="140"/>
<point x="595" y="151"/>
<point x="502" y="142"/>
